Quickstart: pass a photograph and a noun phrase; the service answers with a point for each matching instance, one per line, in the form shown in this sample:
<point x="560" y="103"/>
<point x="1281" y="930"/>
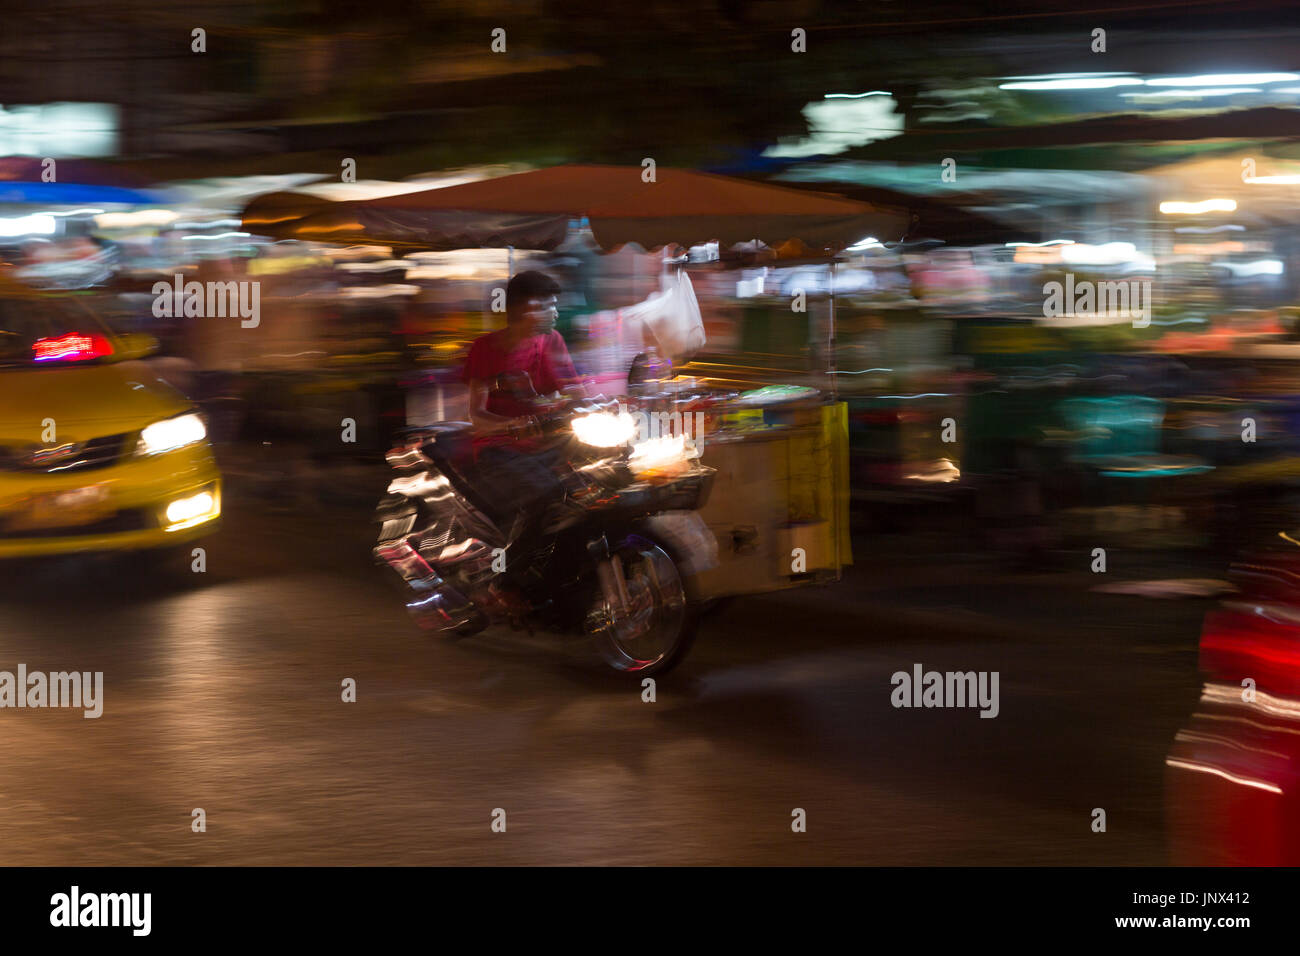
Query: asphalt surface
<point x="222" y="691"/>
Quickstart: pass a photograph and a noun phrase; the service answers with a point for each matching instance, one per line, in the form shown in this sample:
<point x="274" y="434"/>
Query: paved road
<point x="223" y="691"/>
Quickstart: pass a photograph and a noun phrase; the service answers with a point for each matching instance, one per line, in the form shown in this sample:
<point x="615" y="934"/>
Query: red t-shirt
<point x="544" y="357"/>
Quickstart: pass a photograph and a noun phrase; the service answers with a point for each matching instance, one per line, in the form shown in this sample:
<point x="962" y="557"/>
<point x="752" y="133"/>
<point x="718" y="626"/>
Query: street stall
<point x="779" y="505"/>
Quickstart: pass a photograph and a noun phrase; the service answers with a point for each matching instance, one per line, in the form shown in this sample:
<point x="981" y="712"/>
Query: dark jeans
<point x="519" y="487"/>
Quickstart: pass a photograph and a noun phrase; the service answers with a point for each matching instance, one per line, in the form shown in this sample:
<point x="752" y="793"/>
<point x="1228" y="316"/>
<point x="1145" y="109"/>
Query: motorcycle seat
<point x="450" y="446"/>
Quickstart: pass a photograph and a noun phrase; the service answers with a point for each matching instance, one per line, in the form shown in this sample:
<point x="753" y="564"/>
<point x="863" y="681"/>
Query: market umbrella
<point x="532" y="210"/>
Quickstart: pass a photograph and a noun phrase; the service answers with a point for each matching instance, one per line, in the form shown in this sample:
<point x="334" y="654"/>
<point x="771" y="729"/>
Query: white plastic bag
<point x="672" y="315"/>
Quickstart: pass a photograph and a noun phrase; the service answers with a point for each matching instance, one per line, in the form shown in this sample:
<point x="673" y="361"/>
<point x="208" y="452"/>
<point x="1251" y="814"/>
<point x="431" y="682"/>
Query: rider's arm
<point x="485" y="422"/>
<point x="559" y="367"/>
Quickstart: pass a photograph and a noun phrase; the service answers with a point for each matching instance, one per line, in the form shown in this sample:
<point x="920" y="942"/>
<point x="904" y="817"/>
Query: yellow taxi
<point x="96" y="453"/>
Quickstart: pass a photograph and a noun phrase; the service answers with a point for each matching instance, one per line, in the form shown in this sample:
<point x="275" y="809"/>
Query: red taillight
<point x="72" y="347"/>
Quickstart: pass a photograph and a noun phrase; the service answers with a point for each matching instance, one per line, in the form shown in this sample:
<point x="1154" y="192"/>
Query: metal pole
<point x="834" y="456"/>
<point x="830" y="356"/>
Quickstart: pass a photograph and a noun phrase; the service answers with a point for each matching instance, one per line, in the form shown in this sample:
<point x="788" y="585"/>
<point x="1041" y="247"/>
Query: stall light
<point x="282" y="264"/>
<point x="377" y="291"/>
<point x="1035" y="256"/>
<point x="857" y="96"/>
<point x="1208" y="248"/>
<point x="221" y="235"/>
<point x="1110" y="253"/>
<point x="1260" y="267"/>
<point x="1090" y="74"/>
<point x="1073" y="83"/>
<point x="41" y="224"/>
<point x="1207" y="91"/>
<point x="1175" y="208"/>
<point x="871" y="242"/>
<point x="208" y="224"/>
<point x="1274" y="180"/>
<point x="1040" y="245"/>
<point x="131" y="220"/>
<point x="384" y="265"/>
<point x="76" y="212"/>
<point x="361" y="253"/>
<point x="1224" y="79"/>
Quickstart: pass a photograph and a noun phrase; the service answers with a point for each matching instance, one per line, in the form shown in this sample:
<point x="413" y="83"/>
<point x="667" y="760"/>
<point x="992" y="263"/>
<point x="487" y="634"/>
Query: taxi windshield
<point x="38" y="332"/>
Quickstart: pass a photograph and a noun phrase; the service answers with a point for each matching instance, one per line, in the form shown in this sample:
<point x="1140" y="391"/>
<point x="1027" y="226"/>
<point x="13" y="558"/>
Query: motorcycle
<point x="617" y="550"/>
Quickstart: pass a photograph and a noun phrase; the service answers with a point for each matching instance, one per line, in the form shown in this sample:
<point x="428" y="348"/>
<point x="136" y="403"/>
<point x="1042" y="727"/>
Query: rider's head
<point x="532" y="298"/>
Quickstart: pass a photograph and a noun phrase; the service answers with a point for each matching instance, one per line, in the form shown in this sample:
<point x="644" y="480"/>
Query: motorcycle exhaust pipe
<point x="437" y="605"/>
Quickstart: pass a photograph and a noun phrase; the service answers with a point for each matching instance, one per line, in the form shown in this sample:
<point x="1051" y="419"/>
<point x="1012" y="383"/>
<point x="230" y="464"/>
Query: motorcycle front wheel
<point x="659" y="627"/>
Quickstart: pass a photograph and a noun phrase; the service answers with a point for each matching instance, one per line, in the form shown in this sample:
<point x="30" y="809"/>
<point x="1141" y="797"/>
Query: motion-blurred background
<point x="998" y="429"/>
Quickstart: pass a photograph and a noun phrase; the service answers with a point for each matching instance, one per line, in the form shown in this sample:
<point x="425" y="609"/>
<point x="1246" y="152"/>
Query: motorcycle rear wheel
<point x="660" y="628"/>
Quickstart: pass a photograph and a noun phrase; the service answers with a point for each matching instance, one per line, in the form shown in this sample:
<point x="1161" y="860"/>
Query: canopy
<point x="71" y="194"/>
<point x="532" y="211"/>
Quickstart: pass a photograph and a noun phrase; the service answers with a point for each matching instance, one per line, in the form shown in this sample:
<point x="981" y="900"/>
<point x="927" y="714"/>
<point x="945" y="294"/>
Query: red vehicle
<point x="1233" y="789"/>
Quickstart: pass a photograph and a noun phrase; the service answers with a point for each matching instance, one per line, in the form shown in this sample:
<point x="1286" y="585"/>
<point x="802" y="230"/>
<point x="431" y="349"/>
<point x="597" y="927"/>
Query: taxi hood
<point x="84" y="401"/>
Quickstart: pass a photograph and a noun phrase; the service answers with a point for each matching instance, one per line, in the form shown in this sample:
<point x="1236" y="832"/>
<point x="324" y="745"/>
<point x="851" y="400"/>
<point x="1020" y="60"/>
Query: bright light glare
<point x="1109" y="253"/>
<point x="657" y="453"/>
<point x="1273" y="180"/>
<point x="603" y="430"/>
<point x="73" y="347"/>
<point x="171" y="434"/>
<point x="1260" y="267"/>
<point x="1174" y="208"/>
<point x="128" y="220"/>
<point x="183" y="509"/>
<point x="1224" y="79"/>
<point x="1207" y="91"/>
<point x="27" y="225"/>
<point x="1077" y="83"/>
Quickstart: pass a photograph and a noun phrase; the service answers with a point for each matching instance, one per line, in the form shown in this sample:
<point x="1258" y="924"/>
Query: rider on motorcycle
<point x="511" y="466"/>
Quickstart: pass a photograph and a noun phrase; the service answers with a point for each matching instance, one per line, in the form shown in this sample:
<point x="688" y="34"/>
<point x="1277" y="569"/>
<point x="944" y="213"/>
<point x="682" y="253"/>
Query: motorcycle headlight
<point x="604" y="430"/>
<point x="170" y="434"/>
<point x="655" y="455"/>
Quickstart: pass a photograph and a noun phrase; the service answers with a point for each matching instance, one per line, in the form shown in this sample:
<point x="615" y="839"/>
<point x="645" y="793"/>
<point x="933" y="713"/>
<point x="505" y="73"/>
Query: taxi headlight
<point x="170" y="434"/>
<point x="604" y="430"/>
<point x="185" y="509"/>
